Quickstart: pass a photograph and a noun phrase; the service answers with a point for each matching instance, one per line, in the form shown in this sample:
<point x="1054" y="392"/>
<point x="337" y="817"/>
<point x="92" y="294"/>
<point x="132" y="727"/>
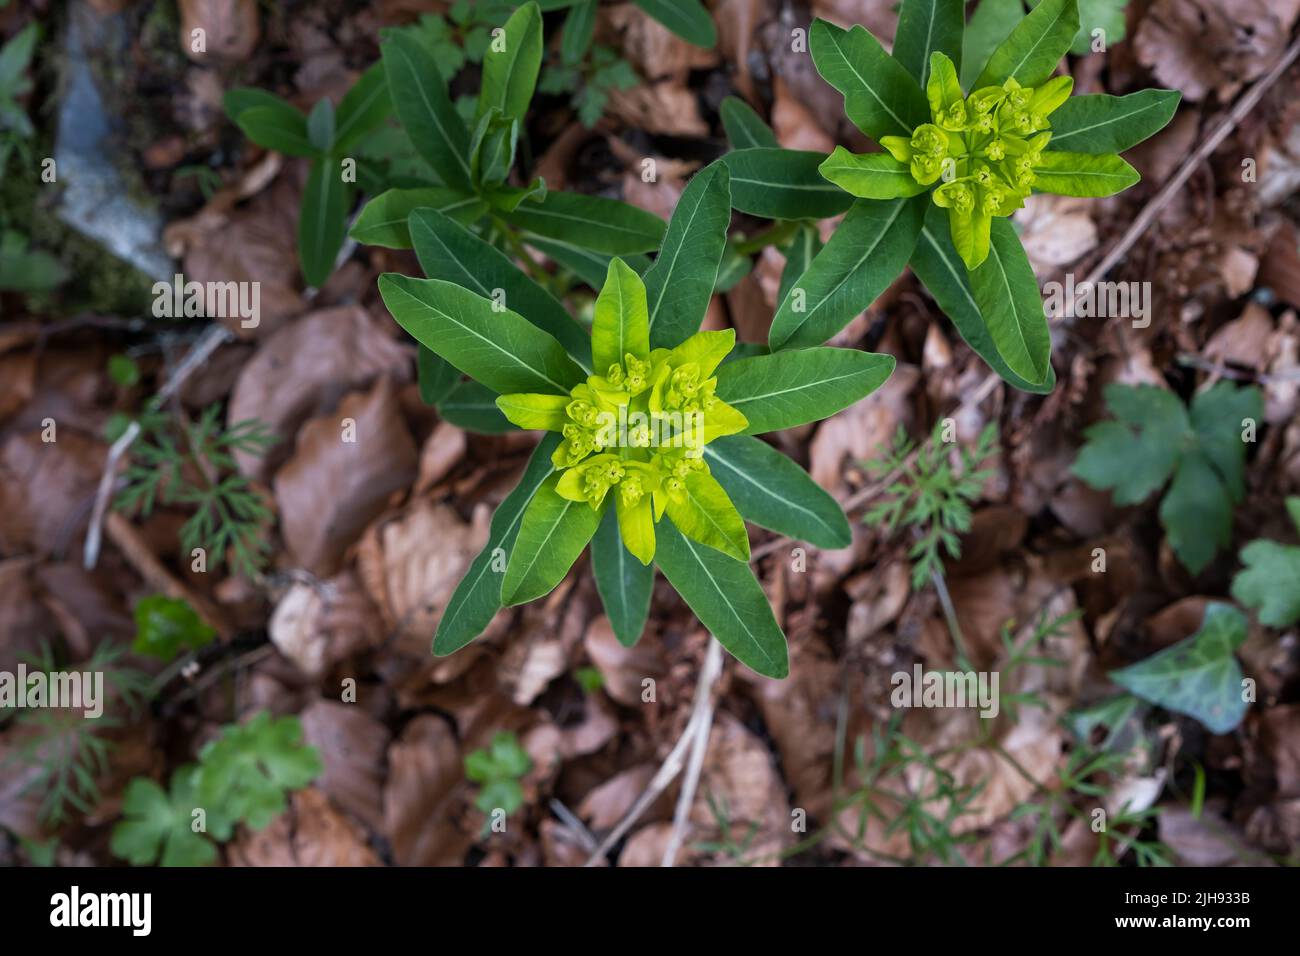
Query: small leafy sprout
<point x="1198" y="676"/>
<point x="243" y="776"/>
<point x="193" y="464"/>
<point x="1270" y="580"/>
<point x="590" y="679"/>
<point x="65" y="747"/>
<point x="932" y="496"/>
<point x="123" y="370"/>
<point x="588" y="83"/>
<point x="1153" y="436"/>
<point x="15" y="125"/>
<point x="165" y="627"/>
<point x="499" y="768"/>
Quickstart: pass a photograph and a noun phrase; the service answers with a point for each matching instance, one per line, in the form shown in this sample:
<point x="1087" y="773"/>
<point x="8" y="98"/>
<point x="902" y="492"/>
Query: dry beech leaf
<point x="316" y="627"/>
<point x="646" y="847"/>
<point x="352" y="746"/>
<point x="303" y="369"/>
<point x="424" y="770"/>
<point x="441" y="452"/>
<point x="665" y="108"/>
<point x="41" y="483"/>
<point x="623" y="668"/>
<point x="412" y="564"/>
<point x="1057" y="231"/>
<point x="649" y="46"/>
<point x="310" y="833"/>
<point x="230" y="29"/>
<point x="859" y="430"/>
<point x="608" y="803"/>
<point x="333" y="487"/>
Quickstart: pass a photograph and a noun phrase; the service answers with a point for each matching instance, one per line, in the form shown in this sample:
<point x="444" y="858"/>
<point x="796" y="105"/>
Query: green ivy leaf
<point x="680" y="283"/>
<point x="783" y="184"/>
<point x="246" y="772"/>
<point x="499" y="349"/>
<point x="880" y="96"/>
<point x="867" y="252"/>
<point x="791" y="388"/>
<point x="1198" y="676"/>
<point x="1032" y="51"/>
<point x="727" y="598"/>
<point x="1270" y="580"/>
<point x="419" y="97"/>
<point x="775" y="493"/>
<point x="1008" y="298"/>
<point x="477" y="597"/>
<point x="156" y="826"/>
<point x="745" y="129"/>
<point x="1100" y="123"/>
<point x="166" y="627"/>
<point x="590" y="222"/>
<point x="552" y="534"/>
<point x="624" y="583"/>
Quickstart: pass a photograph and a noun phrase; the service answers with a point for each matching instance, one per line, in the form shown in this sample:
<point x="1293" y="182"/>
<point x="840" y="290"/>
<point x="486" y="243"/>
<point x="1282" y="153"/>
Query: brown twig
<point x="703" y="718"/>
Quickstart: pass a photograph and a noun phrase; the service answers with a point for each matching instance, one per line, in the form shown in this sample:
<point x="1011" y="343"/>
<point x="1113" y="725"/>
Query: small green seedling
<point x="499" y="768"/>
<point x="650" y="455"/>
<point x="1203" y="446"/>
<point x="957" y="163"/>
<point x="1270" y="580"/>
<point x="166" y="627"/>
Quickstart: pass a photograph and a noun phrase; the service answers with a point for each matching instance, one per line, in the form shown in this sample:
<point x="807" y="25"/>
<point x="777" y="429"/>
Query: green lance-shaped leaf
<point x="1198" y="676"/>
<point x="510" y="64"/>
<point x="867" y="252"/>
<point x="783" y="184"/>
<point x="552" y="534"/>
<point x="745" y="129"/>
<point x="1008" y="297"/>
<point x="473" y="407"/>
<point x="624" y="583"/>
<point x="322" y="222"/>
<point x="727" y="598"/>
<point x="799" y="254"/>
<point x="990" y="24"/>
<point x="283" y="130"/>
<point x="791" y="388"/>
<point x="870" y="175"/>
<point x="383" y="220"/>
<point x="680" y="283"/>
<point x="708" y="516"/>
<point x="937" y="264"/>
<point x="775" y="493"/>
<point x="620" y="324"/>
<point x="689" y="19"/>
<point x="435" y="375"/>
<point x="590" y="222"/>
<point x="1035" y="47"/>
<point x="477" y="598"/>
<point x="925" y="27"/>
<point x="590" y="267"/>
<point x="320" y="125"/>
<point x="579" y="27"/>
<point x="447" y="250"/>
<point x="500" y="349"/>
<point x="362" y="108"/>
<point x="880" y="96"/>
<point x="1099" y="123"/>
<point x="420" y="99"/>
<point x="1081" y="174"/>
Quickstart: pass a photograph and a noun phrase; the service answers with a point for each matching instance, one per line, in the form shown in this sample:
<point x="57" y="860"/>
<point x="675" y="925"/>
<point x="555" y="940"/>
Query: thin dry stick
<point x="695" y="764"/>
<point x="213" y="338"/>
<point x="669" y="769"/>
<point x="1240" y="110"/>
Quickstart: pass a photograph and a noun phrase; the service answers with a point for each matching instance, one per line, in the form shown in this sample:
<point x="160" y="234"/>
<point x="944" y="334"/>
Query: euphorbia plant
<point x="649" y="452"/>
<point x="956" y="164"/>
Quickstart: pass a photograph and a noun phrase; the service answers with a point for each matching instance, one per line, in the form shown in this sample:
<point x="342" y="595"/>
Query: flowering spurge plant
<point x="649" y="454"/>
<point x="955" y="165"/>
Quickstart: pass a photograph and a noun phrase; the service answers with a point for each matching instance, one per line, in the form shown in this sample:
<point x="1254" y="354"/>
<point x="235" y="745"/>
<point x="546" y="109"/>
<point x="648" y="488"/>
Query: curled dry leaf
<point x="412" y="564"/>
<point x="316" y="627"/>
<point x="310" y="833"/>
<point x="225" y="29"/>
<point x="304" y="368"/>
<point x="352" y="746"/>
<point x="424" y="770"/>
<point x="343" y="470"/>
